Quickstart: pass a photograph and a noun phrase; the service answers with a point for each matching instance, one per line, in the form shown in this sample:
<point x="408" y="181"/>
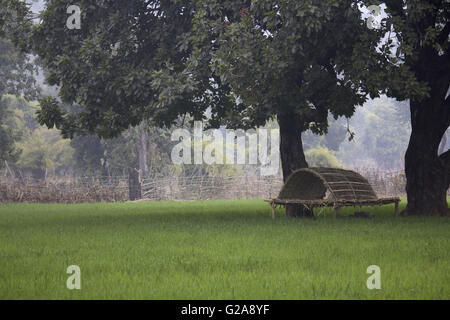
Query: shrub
<point x="322" y="157"/>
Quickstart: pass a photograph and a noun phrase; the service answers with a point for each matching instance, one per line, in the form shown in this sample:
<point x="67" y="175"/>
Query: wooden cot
<point x="328" y="187"/>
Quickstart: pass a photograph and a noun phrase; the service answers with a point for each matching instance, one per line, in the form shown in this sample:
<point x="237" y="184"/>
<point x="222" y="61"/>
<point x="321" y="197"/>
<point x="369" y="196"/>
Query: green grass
<point x="217" y="250"/>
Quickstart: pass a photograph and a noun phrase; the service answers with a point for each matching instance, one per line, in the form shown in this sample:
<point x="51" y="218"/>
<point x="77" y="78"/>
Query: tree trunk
<point x="143" y="148"/>
<point x="292" y="155"/>
<point x="134" y="185"/>
<point x="443" y="143"/>
<point x="427" y="173"/>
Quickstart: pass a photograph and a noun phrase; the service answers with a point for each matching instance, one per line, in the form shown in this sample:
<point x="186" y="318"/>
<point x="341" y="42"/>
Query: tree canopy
<point x="163" y="59"/>
<point x="109" y="67"/>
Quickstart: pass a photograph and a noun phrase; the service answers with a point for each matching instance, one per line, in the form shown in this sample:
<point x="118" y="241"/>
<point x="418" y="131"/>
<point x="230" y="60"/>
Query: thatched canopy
<point x="313" y="184"/>
<point x="319" y="187"/>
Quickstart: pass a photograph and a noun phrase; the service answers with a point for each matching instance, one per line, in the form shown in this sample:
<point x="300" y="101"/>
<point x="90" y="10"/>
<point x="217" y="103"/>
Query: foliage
<point x="8" y="136"/>
<point x="247" y="61"/>
<point x="422" y="34"/>
<point x="108" y="67"/>
<point x="164" y="59"/>
<point x="16" y="74"/>
<point x="322" y="157"/>
<point x="95" y="156"/>
<point x="40" y="149"/>
<point x="45" y="150"/>
<point x="15" y="20"/>
<point x="87" y="155"/>
<point x="381" y="135"/>
<point x="336" y="134"/>
<point x="385" y="138"/>
<point x="290" y="57"/>
<point x="16" y="77"/>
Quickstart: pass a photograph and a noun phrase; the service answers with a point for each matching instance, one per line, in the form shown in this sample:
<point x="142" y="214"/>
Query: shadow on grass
<point x="176" y="214"/>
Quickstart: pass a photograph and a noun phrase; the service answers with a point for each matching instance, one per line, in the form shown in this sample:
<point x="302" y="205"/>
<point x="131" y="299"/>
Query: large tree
<point x="248" y="61"/>
<point x="293" y="60"/>
<point x="423" y="32"/>
<point x="297" y="61"/>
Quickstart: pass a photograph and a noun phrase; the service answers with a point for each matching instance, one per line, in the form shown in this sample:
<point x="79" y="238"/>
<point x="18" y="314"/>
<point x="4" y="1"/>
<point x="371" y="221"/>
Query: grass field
<point x="217" y="250"/>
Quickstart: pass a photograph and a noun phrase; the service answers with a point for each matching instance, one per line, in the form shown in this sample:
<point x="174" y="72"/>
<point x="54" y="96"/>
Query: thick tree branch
<point x="443" y="35"/>
<point x="447" y="108"/>
<point x="445" y="158"/>
<point x="396" y="7"/>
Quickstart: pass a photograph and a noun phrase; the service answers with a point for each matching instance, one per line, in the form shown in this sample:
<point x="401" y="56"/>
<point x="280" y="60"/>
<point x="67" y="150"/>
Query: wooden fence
<point x="64" y="190"/>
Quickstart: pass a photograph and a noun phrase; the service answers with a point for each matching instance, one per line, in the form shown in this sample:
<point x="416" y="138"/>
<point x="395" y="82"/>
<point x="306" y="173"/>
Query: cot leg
<point x="396" y="208"/>
<point x="273" y="211"/>
<point x="336" y="211"/>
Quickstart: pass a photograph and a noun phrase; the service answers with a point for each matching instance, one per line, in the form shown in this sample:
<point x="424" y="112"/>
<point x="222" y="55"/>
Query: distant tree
<point x="16" y="77"/>
<point x="336" y="134"/>
<point x="16" y="69"/>
<point x="95" y="156"/>
<point x="88" y="152"/>
<point x="37" y="151"/>
<point x="382" y="129"/>
<point x="8" y="137"/>
<point x="45" y="153"/>
<point x="322" y="157"/>
<point x="385" y="136"/>
<point x="16" y="73"/>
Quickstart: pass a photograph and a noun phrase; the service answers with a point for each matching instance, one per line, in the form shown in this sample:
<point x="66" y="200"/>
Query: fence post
<point x="246" y="185"/>
<point x="134" y="184"/>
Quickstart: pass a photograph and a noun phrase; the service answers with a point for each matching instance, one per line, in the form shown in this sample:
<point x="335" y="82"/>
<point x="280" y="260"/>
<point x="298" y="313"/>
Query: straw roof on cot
<point x="313" y="183"/>
<point x="309" y="187"/>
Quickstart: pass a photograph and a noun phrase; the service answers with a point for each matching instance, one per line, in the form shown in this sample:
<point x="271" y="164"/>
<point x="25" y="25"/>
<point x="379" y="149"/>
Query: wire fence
<point x="158" y="188"/>
<point x="385" y="183"/>
<point x="209" y="188"/>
